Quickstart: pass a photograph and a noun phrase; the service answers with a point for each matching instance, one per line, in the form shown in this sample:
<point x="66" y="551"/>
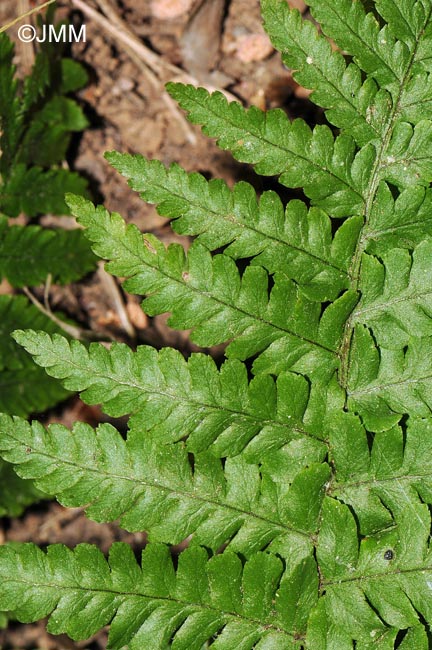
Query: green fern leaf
<point x="406" y="19"/>
<point x="174" y="399"/>
<point x="297" y="243"/>
<point x="350" y="101"/>
<point x="360" y="582"/>
<point x="304" y="158"/>
<point x="28" y="254"/>
<point x="15" y="493"/>
<point x="397" y="298"/>
<point x="153" y="605"/>
<point x="35" y="131"/>
<point x="207" y="294"/>
<point x="135" y="480"/>
<point x="36" y="85"/>
<point x="394" y="381"/>
<point x="35" y="191"/>
<point x="400" y="222"/>
<point x="407" y="161"/>
<point x="24" y="388"/>
<point x="416" y="98"/>
<point x="397" y="465"/>
<point x="10" y="117"/>
<point x="48" y="137"/>
<point x="327" y="179"/>
<point x="73" y="76"/>
<point x="316" y="470"/>
<point x="374" y="49"/>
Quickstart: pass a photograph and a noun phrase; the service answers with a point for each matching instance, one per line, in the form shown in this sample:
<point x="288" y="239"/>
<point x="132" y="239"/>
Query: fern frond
<point x="405" y="18"/>
<point x="47" y="139"/>
<point x="397" y="295"/>
<point x="401" y="66"/>
<point x="10" y="117"/>
<point x="135" y="481"/>
<point x="152" y="605"/>
<point x="358" y="32"/>
<point x="383" y="583"/>
<point x="324" y="167"/>
<point x="16" y="494"/>
<point x="407" y="160"/>
<point x="36" y="85"/>
<point x="398" y="464"/>
<point x="28" y="254"/>
<point x="386" y="384"/>
<point x="73" y="76"/>
<point x="318" y="469"/>
<point x="35" y="191"/>
<point x="174" y="399"/>
<point x="35" y="131"/>
<point x="24" y="387"/>
<point x="416" y="98"/>
<point x="207" y="294"/>
<point x="332" y="174"/>
<point x="350" y="102"/>
<point x="296" y="242"/>
<point x="401" y="222"/>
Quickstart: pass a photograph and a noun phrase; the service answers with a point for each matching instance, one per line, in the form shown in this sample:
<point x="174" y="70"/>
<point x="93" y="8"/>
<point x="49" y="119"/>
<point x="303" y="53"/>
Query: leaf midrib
<point x="276" y="145"/>
<point x="180" y="398"/>
<point x="383" y="306"/>
<point x="345" y="348"/>
<point x="212" y="297"/>
<point x="397" y="571"/>
<point x="329" y="81"/>
<point x="155" y="485"/>
<point x="376" y="234"/>
<point x="163" y="599"/>
<point x="233" y="219"/>
<point x="385" y="386"/>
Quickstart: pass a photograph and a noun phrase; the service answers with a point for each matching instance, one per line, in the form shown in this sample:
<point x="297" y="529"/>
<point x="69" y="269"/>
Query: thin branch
<point x="112" y="289"/>
<point x="73" y="330"/>
<point x="26" y="50"/>
<point x="26" y="15"/>
<point x="121" y="31"/>
<point x="143" y="57"/>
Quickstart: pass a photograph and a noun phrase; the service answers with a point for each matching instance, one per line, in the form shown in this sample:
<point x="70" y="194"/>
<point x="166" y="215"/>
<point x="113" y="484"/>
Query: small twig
<point x="47" y="289"/>
<point x="25" y="15"/>
<point x="147" y="55"/>
<point x="73" y="330"/>
<point x="165" y="97"/>
<point x="120" y="30"/>
<point x="146" y="60"/>
<point x="26" y="50"/>
<point x="114" y="292"/>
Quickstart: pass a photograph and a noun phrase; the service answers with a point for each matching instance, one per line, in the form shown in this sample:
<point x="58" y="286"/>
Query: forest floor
<point x="219" y="44"/>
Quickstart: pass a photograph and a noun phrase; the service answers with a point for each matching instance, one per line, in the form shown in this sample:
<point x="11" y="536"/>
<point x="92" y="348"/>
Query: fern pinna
<point x="37" y="119"/>
<point x="301" y="467"/>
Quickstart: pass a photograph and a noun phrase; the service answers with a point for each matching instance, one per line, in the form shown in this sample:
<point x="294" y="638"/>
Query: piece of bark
<point x="201" y="41"/>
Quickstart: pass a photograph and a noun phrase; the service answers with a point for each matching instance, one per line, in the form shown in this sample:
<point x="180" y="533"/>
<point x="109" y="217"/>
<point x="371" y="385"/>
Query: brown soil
<point x="221" y="44"/>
